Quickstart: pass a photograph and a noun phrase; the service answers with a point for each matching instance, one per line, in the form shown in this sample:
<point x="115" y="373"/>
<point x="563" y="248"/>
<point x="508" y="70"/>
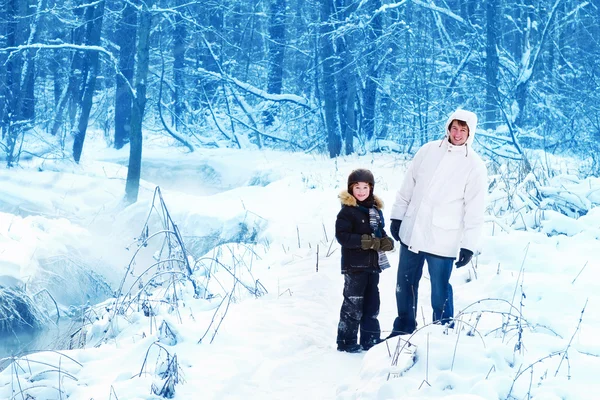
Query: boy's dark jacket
<point x="353" y="222"/>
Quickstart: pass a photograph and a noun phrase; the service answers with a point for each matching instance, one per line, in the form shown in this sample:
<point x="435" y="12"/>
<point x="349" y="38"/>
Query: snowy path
<point x="283" y="347"/>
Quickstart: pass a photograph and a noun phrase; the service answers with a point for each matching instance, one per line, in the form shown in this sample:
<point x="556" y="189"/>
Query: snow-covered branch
<point x="71" y="46"/>
<point x="292" y="98"/>
<point x="530" y="63"/>
<point x="440" y="10"/>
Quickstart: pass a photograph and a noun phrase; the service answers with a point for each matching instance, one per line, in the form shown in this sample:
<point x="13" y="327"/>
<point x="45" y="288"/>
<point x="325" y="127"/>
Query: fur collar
<point x="348" y="200"/>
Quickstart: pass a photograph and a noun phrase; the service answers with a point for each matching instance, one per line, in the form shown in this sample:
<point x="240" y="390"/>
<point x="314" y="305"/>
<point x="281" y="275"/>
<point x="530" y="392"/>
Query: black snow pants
<point x="360" y="309"/>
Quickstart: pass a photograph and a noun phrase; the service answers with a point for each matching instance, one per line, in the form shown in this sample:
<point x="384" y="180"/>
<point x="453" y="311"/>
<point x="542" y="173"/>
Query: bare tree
<point x="491" y="64"/>
<point x="374" y="31"/>
<point x="346" y="72"/>
<point x="276" y="51"/>
<point x="132" y="185"/>
<point x="94" y="16"/>
<point x="179" y="50"/>
<point x="126" y="30"/>
<point x="20" y="67"/>
<point x="334" y="143"/>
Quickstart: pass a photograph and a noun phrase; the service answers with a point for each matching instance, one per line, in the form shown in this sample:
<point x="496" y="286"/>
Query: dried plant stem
<point x="571" y="340"/>
<point x="112" y="391"/>
<point x="427" y="361"/>
<point x="455" y="348"/>
<point x="586" y="263"/>
<point x="521" y="371"/>
<point x="329" y="252"/>
<point x="519" y="278"/>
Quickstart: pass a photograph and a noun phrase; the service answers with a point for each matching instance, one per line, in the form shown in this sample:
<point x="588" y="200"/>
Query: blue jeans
<point x="410" y="270"/>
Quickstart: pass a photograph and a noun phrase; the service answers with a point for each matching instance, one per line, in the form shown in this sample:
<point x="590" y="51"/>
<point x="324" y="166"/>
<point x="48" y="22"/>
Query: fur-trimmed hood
<point x="348" y="200"/>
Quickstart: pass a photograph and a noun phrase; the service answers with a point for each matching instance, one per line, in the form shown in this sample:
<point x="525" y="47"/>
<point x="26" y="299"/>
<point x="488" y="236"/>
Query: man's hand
<point x="368" y="242"/>
<point x="395" y="229"/>
<point x="464" y="257"/>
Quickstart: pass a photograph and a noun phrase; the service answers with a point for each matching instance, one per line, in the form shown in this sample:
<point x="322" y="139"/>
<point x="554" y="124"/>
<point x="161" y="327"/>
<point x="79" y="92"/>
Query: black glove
<point x="387" y="244"/>
<point x="395" y="228"/>
<point x="464" y="257"/>
<point x="368" y="242"/>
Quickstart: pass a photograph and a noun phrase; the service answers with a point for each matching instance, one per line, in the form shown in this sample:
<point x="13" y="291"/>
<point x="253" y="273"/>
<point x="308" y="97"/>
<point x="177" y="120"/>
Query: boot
<point x="350" y="348"/>
<point x="372" y="342"/>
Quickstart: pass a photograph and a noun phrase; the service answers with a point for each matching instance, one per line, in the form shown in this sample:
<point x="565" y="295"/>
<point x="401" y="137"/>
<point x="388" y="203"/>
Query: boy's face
<point x="361" y="190"/>
<point x="458" y="134"/>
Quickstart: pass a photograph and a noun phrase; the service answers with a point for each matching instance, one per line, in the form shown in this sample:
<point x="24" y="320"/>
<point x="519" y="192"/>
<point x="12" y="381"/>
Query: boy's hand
<point x="368" y="242"/>
<point x="386" y="244"/>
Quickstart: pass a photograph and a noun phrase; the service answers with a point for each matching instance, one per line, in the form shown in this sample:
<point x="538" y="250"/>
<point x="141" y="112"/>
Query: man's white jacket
<point x="442" y="200"/>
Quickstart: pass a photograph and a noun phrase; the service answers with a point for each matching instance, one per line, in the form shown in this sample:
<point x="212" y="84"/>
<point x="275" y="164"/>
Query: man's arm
<point x="404" y="194"/>
<point x="475" y="192"/>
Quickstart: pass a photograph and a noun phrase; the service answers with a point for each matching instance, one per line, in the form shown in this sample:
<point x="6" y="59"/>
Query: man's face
<point x="458" y="134"/>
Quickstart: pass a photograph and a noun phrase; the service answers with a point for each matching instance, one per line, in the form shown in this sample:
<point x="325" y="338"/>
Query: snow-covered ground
<point x="529" y="306"/>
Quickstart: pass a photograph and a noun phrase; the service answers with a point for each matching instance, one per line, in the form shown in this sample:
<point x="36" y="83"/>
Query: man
<point x="438" y="210"/>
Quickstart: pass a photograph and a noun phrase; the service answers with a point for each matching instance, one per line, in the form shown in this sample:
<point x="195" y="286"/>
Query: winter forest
<point x="339" y="77"/>
<point x="170" y="180"/>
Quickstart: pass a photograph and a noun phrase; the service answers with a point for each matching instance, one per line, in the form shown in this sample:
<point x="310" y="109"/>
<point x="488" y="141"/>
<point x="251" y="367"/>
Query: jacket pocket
<point x="446" y="218"/>
<point x="410" y="210"/>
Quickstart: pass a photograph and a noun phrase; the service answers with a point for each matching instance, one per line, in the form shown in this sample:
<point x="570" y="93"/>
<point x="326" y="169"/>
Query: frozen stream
<point x="55" y="336"/>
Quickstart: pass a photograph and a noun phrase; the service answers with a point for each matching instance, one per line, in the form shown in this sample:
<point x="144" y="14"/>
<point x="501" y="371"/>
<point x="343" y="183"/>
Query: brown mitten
<point x="368" y="242"/>
<point x="387" y="244"/>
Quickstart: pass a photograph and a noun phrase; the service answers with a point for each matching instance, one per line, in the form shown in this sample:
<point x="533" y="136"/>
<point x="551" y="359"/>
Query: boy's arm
<point x="343" y="232"/>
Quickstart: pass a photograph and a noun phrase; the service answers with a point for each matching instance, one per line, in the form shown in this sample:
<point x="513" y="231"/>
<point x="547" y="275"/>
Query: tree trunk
<point x="132" y="185"/>
<point x="334" y="143"/>
<point x="491" y="65"/>
<point x="276" y="46"/>
<point x="13" y="66"/>
<point x="209" y="54"/>
<point x="28" y="101"/>
<point x="71" y="92"/>
<point x="350" y="115"/>
<point x="26" y="107"/>
<point x="370" y="94"/>
<point x="126" y="30"/>
<point x="81" y="67"/>
<point x="96" y="14"/>
<point x="179" y="48"/>
<point x="345" y="80"/>
<point x="276" y="52"/>
<point x="19" y="72"/>
<point x="58" y="81"/>
<point x="522" y="89"/>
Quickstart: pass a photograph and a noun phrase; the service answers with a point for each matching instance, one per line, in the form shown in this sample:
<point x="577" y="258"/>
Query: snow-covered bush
<point x="19" y="311"/>
<point x="526" y="200"/>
